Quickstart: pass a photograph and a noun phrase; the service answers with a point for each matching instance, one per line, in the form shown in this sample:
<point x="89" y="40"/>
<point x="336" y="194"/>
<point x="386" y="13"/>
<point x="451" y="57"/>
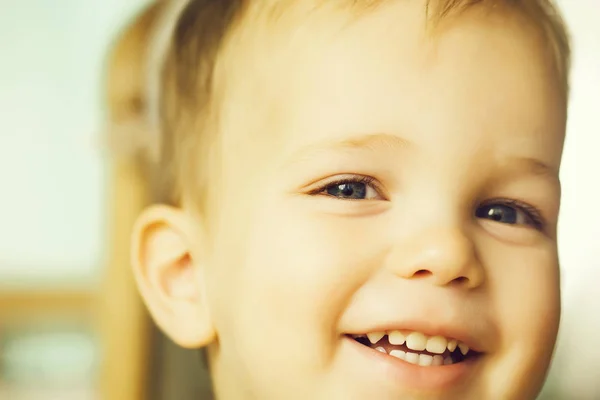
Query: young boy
<point x="364" y="197"/>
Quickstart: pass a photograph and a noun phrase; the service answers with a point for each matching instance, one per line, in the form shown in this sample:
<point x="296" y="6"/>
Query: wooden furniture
<point x="123" y="322"/>
<point x="111" y="311"/>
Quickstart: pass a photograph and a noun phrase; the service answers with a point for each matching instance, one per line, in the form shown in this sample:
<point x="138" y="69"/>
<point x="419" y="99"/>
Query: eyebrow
<point x="532" y="166"/>
<point x="377" y="141"/>
<point x="373" y="142"/>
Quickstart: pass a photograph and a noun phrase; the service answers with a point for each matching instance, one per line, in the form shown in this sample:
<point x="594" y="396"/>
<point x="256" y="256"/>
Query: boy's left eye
<point x="360" y="188"/>
<point x="511" y="214"/>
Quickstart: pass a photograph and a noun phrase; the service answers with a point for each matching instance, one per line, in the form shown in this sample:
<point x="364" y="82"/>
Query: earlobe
<point x="169" y="269"/>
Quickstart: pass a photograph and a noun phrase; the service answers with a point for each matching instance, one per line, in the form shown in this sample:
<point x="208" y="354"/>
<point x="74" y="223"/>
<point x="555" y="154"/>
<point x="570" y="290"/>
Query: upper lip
<point x="459" y="332"/>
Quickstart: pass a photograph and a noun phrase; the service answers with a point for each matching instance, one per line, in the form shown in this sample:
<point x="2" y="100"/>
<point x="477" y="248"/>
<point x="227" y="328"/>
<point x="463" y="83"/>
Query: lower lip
<point x="412" y="376"/>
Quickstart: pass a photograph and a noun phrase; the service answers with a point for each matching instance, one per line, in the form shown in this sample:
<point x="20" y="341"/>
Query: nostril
<point x="422" y="273"/>
<point x="460" y="281"/>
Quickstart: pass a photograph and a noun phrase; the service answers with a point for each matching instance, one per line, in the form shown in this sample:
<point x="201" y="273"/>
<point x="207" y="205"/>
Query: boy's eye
<point x="351" y="189"/>
<point x="510" y="213"/>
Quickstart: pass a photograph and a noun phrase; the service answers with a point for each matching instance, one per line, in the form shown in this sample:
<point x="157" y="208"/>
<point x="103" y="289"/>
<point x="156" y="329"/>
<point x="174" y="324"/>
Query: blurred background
<point x="71" y="326"/>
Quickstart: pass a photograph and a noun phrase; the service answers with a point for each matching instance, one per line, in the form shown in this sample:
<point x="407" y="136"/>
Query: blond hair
<point x="133" y="82"/>
<point x="191" y="92"/>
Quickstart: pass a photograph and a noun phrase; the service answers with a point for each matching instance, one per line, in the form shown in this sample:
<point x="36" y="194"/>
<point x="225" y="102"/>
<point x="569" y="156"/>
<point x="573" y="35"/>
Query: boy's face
<point x="404" y="183"/>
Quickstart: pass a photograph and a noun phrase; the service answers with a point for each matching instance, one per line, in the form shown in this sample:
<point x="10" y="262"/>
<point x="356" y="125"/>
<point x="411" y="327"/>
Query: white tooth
<point x="452" y="345"/>
<point x="398" y="354"/>
<point x="416" y="341"/>
<point x="396" y="338"/>
<point x="438" y="360"/>
<point x="375" y="337"/>
<point x="464" y="349"/>
<point x="412" y="358"/>
<point x="436" y="344"/>
<point x="425" y="360"/>
<point x="448" y="361"/>
<point x="380" y="349"/>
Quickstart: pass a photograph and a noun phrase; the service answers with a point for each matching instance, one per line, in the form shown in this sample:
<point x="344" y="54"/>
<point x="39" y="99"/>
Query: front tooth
<point x="375" y="337"/>
<point x="448" y="361"/>
<point x="416" y="341"/>
<point x="438" y="360"/>
<point x="380" y="349"/>
<point x="425" y="360"/>
<point x="437" y="344"/>
<point x="398" y="354"/>
<point x="396" y="338"/>
<point x="464" y="349"/>
<point x="412" y="358"/>
<point x="452" y="345"/>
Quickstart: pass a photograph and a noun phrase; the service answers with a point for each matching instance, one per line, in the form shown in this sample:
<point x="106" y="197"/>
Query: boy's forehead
<point x="271" y="51"/>
<point x="351" y="73"/>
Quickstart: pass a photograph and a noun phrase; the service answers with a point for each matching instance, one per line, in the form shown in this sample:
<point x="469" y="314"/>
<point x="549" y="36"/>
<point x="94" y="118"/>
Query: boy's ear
<point x="169" y="274"/>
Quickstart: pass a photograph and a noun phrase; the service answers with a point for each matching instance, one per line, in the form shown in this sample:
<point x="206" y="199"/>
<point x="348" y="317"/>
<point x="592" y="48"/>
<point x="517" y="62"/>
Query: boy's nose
<point x="444" y="256"/>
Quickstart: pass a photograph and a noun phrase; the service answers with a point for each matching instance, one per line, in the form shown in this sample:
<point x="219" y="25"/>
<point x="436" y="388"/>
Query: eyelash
<point x="532" y="213"/>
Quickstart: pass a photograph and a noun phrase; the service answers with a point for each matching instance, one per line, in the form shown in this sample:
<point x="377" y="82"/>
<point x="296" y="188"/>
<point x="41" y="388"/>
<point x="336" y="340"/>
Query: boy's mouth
<point x="417" y="348"/>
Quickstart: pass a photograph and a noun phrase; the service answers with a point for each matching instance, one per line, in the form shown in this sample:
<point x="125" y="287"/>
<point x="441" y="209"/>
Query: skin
<point x="447" y="128"/>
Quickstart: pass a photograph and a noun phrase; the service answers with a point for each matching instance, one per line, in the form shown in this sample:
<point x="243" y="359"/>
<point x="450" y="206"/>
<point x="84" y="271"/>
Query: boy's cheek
<point x="524" y="291"/>
<point x="279" y="299"/>
<point x="524" y="286"/>
<point x="312" y="261"/>
<point x="298" y="268"/>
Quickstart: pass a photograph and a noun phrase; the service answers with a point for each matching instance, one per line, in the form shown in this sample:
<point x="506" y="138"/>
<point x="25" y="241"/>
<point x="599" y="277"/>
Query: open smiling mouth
<point x="417" y="348"/>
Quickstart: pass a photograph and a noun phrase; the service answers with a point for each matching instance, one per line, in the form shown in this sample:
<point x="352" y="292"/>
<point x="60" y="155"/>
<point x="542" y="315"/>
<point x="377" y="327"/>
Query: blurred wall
<point x="52" y="173"/>
<point x="576" y="371"/>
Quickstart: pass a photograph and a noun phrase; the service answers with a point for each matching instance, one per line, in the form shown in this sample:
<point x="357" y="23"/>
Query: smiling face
<point x="402" y="184"/>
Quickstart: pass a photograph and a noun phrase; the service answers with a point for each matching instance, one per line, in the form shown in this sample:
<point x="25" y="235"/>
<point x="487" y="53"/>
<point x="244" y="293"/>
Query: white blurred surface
<point x="580" y="223"/>
<point x="52" y="173"/>
<point x="576" y="370"/>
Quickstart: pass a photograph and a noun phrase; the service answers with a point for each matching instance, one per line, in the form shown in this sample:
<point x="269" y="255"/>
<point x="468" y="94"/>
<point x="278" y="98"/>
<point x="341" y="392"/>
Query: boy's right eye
<point x="354" y="188"/>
